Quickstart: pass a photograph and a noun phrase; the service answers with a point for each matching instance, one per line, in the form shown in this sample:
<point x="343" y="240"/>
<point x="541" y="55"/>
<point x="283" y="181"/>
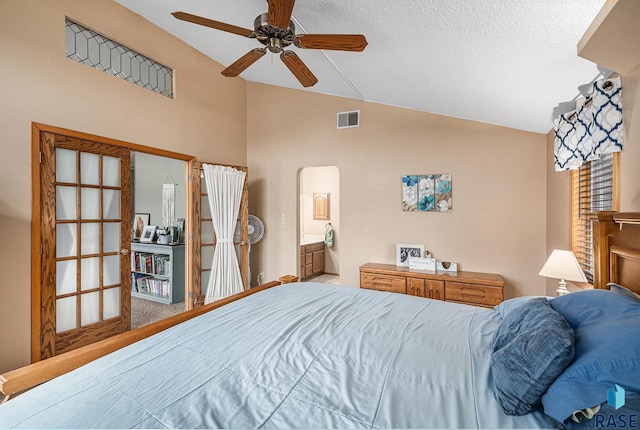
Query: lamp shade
<point x="563" y="265"/>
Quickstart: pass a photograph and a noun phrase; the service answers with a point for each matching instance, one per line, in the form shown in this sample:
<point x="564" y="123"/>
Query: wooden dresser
<point x="472" y="288"/>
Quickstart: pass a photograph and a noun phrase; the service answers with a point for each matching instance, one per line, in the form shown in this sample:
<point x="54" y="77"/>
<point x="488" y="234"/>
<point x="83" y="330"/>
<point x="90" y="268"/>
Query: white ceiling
<point x="504" y="62"/>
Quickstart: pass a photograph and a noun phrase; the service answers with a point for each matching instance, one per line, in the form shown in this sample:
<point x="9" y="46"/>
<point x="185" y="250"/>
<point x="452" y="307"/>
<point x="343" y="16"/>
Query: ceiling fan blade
<point x="243" y="62"/>
<point x="298" y="68"/>
<point x="280" y="12"/>
<point x="337" y="42"/>
<point x="184" y="16"/>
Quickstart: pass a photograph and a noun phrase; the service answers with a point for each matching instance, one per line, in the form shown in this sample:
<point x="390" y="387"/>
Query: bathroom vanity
<point x="312" y="255"/>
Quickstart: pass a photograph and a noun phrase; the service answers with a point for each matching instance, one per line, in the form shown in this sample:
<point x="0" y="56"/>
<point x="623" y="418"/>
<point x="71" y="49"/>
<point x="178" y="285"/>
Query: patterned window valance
<point x="592" y="129"/>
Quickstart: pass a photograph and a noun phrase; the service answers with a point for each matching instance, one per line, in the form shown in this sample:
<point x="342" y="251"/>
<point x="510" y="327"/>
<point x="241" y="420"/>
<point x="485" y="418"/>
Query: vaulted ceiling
<point x="503" y="62"/>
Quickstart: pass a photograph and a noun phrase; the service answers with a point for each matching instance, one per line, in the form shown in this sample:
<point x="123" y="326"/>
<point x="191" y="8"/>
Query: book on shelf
<point x="135" y="281"/>
<point x="154" y="264"/>
<point x="162" y="264"/>
<point x="147" y="284"/>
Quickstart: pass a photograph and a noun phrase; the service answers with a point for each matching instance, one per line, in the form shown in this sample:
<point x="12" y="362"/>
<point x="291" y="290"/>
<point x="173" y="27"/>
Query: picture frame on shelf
<point x="148" y="234"/>
<point x="406" y="250"/>
<point x="140" y="221"/>
<point x="425" y="263"/>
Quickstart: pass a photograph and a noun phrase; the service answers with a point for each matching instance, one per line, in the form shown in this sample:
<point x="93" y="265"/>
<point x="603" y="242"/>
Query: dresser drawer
<point x="314" y="247"/>
<point x="472" y="304"/>
<point x="373" y="281"/>
<point x="473" y="294"/>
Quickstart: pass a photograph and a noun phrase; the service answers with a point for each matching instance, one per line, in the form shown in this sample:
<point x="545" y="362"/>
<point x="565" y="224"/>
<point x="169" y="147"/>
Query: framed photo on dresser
<point x="406" y="250"/>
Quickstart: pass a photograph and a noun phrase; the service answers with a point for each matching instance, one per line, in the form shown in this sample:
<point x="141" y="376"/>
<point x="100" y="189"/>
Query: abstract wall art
<point x="427" y="193"/>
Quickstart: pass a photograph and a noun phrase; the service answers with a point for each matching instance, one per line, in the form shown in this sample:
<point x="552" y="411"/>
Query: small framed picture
<point x="406" y="250"/>
<point x="140" y="221"/>
<point x="424" y="263"/>
<point x="180" y="224"/>
<point x="148" y="233"/>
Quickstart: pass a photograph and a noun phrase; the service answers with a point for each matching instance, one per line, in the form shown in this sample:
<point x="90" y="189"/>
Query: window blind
<point x="592" y="190"/>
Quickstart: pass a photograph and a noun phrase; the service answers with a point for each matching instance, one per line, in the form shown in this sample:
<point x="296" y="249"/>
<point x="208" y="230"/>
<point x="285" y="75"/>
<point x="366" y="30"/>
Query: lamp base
<point x="562" y="288"/>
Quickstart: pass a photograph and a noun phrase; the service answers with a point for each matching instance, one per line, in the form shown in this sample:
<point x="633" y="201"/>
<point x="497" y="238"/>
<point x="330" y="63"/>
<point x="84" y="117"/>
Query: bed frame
<point x="616" y="242"/>
<point x="24" y="378"/>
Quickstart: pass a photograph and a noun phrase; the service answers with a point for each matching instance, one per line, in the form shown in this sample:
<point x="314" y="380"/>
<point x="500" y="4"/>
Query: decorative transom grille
<point x="99" y="52"/>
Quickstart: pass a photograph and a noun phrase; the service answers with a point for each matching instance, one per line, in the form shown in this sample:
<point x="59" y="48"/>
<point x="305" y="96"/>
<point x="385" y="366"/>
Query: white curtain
<point x="592" y="129"/>
<point x="224" y="185"/>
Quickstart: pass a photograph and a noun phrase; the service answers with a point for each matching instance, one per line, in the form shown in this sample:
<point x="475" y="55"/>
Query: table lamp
<point x="563" y="265"/>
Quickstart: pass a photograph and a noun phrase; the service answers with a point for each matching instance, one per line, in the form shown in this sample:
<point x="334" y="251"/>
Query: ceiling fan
<point x="276" y="31"/>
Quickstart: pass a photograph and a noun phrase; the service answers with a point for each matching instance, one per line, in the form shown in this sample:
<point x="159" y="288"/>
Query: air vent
<point x="349" y="119"/>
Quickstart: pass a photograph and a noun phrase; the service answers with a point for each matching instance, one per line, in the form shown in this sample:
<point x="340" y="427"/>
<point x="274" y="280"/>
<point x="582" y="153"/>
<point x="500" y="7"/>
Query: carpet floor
<point x="145" y="312"/>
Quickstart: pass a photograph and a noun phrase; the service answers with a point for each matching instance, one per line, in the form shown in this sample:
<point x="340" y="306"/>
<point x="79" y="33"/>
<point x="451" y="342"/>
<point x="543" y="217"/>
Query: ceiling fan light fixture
<point x="275" y="45"/>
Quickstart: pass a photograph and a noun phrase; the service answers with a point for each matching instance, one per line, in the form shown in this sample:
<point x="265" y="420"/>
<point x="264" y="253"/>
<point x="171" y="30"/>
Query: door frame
<point x="36" y="214"/>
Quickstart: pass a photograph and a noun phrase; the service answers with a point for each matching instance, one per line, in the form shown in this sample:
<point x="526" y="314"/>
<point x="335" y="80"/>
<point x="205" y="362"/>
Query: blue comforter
<point x="300" y="355"/>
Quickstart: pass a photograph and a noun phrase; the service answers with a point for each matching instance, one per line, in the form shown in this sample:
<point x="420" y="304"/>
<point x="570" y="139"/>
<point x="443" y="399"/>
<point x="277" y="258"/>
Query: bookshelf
<point x="157" y="272"/>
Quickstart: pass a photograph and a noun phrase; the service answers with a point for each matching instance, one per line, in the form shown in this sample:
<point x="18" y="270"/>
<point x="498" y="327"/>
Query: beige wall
<point x="557" y="211"/>
<point x="558" y="182"/>
<point x="498" y="221"/>
<point x="207" y="119"/>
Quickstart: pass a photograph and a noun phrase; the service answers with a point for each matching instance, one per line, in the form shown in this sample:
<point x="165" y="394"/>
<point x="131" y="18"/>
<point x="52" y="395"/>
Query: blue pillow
<point x="607" y="351"/>
<point x="507" y="306"/>
<point x="619" y="289"/>
<point x="531" y="347"/>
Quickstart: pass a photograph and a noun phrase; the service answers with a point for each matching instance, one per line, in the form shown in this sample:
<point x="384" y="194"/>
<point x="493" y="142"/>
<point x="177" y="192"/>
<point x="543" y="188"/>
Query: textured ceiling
<point x="504" y="62"/>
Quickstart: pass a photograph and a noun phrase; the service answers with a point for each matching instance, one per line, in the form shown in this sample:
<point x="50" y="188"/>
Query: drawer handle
<point x="382" y="281"/>
<point x="472" y="292"/>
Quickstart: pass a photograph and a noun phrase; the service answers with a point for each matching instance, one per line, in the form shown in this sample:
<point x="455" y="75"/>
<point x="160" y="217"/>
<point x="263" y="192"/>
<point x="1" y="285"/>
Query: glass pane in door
<point x="90" y="273"/>
<point x="111" y="204"/>
<point x="89" y="169"/>
<point x="88" y="223"/>
<point x="90" y="203"/>
<point x="90" y="306"/>
<point x="111" y="303"/>
<point x="206" y="256"/>
<point x="110" y="171"/>
<point x="90" y="238"/>
<point x="66" y="277"/>
<point x="66" y="240"/>
<point x="66" y="170"/>
<point x="206" y="232"/>
<point x="65" y="314"/>
<point x="111" y="270"/>
<point x="111" y="237"/>
<point x="66" y="203"/>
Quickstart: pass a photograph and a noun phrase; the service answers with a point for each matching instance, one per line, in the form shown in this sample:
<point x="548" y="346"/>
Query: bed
<point x="306" y="355"/>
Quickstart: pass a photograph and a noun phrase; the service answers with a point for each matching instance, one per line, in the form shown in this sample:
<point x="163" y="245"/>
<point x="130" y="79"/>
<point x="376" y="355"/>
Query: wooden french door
<point x="84" y="233"/>
<point x="203" y="238"/>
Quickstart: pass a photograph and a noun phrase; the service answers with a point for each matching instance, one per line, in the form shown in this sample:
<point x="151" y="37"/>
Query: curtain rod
<point x="564" y="107"/>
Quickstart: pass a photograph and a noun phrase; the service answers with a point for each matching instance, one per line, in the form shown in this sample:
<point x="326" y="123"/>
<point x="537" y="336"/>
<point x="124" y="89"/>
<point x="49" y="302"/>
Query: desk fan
<point x="255" y="230"/>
